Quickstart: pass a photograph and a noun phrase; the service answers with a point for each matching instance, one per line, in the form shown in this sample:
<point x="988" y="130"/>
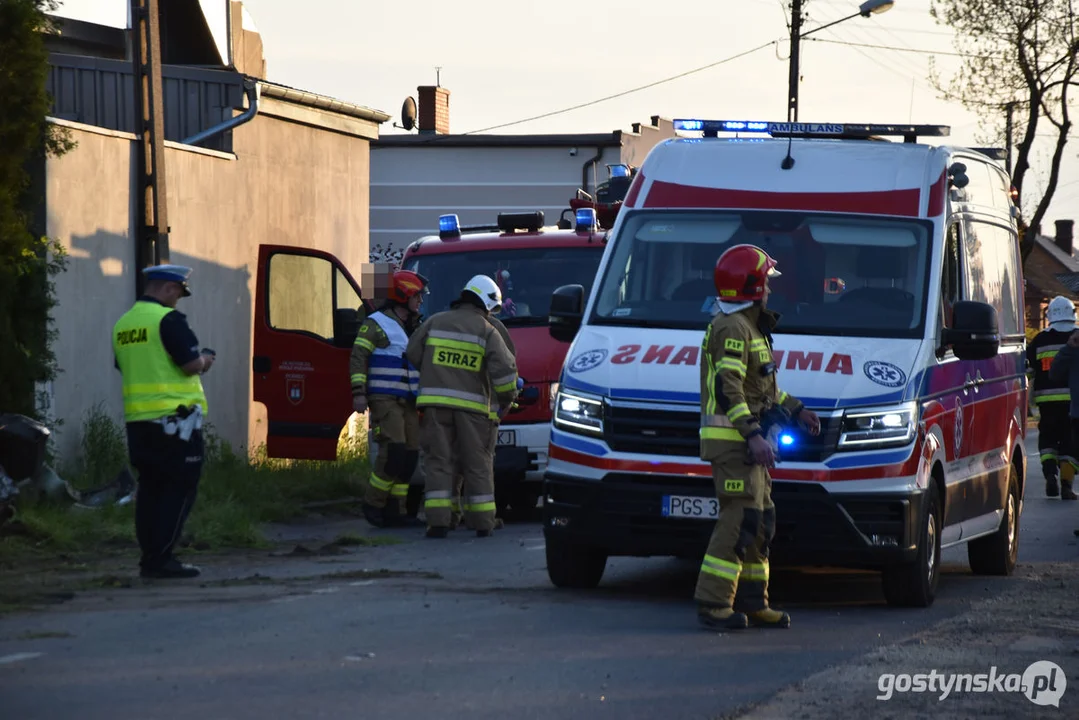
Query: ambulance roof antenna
<point x="788" y="162"/>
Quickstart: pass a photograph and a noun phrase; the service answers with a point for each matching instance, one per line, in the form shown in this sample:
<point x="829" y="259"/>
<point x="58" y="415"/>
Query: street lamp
<point x="867" y="8"/>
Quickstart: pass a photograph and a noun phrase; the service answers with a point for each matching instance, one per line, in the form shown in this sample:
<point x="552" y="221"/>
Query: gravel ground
<point x="1034" y="620"/>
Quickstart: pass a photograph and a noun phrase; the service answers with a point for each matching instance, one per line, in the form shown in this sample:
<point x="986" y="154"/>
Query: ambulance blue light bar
<point x="448" y="226"/>
<point x="799" y="129"/>
<point x="586" y="220"/>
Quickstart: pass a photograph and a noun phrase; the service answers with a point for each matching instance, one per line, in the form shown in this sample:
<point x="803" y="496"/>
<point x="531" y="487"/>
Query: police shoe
<point x="172" y="569"/>
<point x="721" y="618"/>
<point x="769" y="618"/>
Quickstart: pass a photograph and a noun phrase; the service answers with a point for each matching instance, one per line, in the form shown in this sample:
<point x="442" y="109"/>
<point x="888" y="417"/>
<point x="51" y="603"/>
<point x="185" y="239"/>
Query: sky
<point x="505" y="62"/>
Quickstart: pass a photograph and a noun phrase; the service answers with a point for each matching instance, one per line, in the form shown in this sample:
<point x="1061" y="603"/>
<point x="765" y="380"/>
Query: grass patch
<point x="237" y="495"/>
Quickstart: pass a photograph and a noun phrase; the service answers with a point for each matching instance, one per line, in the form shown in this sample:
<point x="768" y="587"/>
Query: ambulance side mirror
<point x="974" y="333"/>
<point x="567" y="310"/>
<point x="346" y="326"/>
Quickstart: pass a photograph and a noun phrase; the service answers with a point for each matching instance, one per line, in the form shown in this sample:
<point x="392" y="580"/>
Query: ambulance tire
<point x="914" y="584"/>
<point x="574" y="566"/>
<point x="997" y="554"/>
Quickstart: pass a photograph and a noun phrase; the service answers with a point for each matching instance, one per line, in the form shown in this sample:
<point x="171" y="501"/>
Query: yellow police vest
<point x="154" y="385"/>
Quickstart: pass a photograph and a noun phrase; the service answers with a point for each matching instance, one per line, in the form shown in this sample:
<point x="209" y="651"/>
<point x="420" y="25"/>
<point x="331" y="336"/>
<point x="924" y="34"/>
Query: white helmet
<point x="486" y="290"/>
<point x="1061" y="314"/>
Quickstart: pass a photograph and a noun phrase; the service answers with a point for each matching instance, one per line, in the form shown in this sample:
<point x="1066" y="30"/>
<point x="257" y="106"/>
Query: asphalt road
<point x="489" y="638"/>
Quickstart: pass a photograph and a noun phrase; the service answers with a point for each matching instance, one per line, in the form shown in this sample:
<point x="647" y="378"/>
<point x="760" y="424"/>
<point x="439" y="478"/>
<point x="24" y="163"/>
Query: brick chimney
<point x="434" y="109"/>
<point x="1065" y="235"/>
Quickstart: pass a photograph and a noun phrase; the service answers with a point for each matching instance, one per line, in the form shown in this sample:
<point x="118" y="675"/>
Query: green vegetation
<point x="237" y="496"/>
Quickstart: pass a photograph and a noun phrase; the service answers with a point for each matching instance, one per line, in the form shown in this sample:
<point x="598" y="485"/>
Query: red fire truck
<point x="308" y="308"/>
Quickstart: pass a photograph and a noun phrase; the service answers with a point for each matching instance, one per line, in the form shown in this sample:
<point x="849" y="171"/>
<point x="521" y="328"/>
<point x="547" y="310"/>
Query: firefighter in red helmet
<point x="741" y="403"/>
<point x="385" y="383"/>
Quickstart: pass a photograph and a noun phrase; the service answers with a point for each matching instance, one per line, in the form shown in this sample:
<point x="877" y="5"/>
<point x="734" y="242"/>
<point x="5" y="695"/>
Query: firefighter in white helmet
<point x="1053" y="400"/>
<point x="463" y="361"/>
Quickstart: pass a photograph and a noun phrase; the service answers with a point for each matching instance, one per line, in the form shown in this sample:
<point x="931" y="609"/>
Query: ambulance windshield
<point x="527" y="276"/>
<point x="841" y="274"/>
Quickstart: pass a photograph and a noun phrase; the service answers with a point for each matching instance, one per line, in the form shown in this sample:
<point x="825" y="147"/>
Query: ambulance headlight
<point x="879" y="427"/>
<point x="578" y="413"/>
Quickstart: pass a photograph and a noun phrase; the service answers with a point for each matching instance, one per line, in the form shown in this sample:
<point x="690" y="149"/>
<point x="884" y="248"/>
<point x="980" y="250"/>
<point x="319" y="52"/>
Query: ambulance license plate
<point x="690" y="506"/>
<point x="507" y="437"/>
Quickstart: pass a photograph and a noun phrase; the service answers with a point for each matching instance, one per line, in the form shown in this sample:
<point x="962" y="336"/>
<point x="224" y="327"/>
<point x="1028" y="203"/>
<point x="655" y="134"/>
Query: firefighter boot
<point x="1050" y="470"/>
<point x="374" y="515"/>
<point x="438" y="533"/>
<point x="721" y="618"/>
<point x="769" y="618"/>
<point x="1066" y="492"/>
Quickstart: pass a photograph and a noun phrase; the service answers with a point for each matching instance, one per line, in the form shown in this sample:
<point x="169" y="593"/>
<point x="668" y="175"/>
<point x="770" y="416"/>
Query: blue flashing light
<point x="586" y="219"/>
<point x="853" y="130"/>
<point x="448" y="225"/>
<point x="619" y="171"/>
<point x="786" y="439"/>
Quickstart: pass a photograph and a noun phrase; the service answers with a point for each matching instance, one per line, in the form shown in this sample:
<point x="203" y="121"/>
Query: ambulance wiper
<point x="632" y="322"/>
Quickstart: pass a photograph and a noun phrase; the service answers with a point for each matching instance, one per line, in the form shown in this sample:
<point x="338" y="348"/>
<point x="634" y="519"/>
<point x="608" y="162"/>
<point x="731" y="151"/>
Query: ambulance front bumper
<point x="622" y="514"/>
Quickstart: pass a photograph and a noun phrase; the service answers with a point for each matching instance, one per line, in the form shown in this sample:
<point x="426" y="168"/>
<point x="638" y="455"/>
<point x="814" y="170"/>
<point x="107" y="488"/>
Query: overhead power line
<point x="898" y="49"/>
<point x="597" y="101"/>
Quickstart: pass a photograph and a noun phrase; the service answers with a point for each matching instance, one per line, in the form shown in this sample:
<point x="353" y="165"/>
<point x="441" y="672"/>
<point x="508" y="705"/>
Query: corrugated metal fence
<point x="101" y="92"/>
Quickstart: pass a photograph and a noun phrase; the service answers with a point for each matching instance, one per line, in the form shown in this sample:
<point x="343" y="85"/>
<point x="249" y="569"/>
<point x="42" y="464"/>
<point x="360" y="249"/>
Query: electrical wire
<point x="624" y="93"/>
<point x="898" y="49"/>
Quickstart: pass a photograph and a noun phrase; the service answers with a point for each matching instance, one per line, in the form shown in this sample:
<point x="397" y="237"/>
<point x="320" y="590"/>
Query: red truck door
<point x="308" y="310"/>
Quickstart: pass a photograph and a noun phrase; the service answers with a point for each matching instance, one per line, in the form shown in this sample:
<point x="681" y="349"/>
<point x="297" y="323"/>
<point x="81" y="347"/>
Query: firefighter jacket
<point x="738" y="380"/>
<point x="513" y="351"/>
<point x="1040" y="353"/>
<point x="378" y="365"/>
<point x="463" y="361"/>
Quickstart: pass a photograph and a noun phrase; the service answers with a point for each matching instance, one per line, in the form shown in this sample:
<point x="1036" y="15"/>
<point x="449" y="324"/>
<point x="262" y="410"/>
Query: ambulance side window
<point x="951" y="282"/>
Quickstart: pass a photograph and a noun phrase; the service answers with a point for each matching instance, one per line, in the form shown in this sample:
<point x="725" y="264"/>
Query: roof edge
<point x="403" y="140"/>
<point x="321" y="102"/>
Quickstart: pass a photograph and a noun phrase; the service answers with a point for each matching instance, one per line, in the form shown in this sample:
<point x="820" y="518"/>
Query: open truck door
<point x="308" y="310"/>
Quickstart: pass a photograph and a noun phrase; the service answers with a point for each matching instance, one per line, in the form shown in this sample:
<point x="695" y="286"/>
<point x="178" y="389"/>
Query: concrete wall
<point x="289" y="183"/>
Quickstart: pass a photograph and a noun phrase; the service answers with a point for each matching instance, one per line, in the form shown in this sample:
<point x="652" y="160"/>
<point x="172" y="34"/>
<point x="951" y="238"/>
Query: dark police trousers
<point x="169" y="469"/>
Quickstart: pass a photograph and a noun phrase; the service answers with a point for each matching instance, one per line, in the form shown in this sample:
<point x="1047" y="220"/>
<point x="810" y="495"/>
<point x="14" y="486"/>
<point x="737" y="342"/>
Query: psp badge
<point x="587" y="360"/>
<point x="884" y="373"/>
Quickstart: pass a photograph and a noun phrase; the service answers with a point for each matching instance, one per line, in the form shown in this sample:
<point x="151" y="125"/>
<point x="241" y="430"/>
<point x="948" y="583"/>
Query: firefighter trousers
<point x="458" y="442"/>
<point x="457" y="516"/>
<point x="1054" y="440"/>
<point x="735" y="567"/>
<point x="395" y="430"/>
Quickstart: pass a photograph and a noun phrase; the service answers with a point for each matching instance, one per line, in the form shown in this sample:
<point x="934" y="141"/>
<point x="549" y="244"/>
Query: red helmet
<point x="405" y="284"/>
<point x="741" y="272"/>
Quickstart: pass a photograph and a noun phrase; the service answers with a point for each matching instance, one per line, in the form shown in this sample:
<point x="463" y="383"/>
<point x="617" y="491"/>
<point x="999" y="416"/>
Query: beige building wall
<point x="292" y="181"/>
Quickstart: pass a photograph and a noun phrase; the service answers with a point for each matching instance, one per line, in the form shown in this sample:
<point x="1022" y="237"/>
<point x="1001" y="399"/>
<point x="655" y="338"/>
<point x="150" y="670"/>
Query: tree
<point x="1021" y="62"/>
<point x="27" y="262"/>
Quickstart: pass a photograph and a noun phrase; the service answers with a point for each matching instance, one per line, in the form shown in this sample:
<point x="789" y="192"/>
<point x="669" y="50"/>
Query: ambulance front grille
<point x="652" y="431"/>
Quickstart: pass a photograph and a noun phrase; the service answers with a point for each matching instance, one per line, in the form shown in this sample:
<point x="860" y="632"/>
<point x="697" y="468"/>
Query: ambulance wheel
<point x="415" y="499"/>
<point x="914" y="584"/>
<point x="574" y="566"/>
<point x="997" y="554"/>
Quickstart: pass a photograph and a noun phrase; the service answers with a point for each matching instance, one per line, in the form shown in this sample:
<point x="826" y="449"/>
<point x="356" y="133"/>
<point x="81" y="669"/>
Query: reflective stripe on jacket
<point x="388" y="370"/>
<point x="154" y="385"/>
<point x="738" y="380"/>
<point x="463" y="362"/>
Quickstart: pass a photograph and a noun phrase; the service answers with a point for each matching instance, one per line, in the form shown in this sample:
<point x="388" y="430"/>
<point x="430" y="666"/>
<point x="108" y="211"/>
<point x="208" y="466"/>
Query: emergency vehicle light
<point x="586" y="220"/>
<point x="786" y="439"/>
<point x="448" y="226"/>
<point x="618" y="171"/>
<point x="833" y="130"/>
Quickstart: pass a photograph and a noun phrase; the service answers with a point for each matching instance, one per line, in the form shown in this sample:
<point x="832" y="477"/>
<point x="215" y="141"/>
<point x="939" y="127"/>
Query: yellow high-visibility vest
<point x="154" y="385"/>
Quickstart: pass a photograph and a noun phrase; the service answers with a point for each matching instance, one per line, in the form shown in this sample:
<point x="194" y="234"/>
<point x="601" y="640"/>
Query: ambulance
<point x="902" y="326"/>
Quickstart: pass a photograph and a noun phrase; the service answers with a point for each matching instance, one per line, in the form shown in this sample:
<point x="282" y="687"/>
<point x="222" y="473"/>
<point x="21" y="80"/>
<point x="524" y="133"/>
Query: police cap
<point x="170" y="273"/>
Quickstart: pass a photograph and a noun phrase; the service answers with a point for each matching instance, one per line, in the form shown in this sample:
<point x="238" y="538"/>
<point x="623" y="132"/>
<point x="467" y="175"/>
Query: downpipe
<point x="254" y="94"/>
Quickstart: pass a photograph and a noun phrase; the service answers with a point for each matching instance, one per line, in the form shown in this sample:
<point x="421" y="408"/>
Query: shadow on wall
<point x="98" y="287"/>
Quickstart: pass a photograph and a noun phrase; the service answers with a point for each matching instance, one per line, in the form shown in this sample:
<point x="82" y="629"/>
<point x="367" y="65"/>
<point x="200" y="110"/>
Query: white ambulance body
<point x="902" y="327"/>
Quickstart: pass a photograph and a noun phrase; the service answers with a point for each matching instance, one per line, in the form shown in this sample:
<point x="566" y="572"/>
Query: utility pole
<point x="795" y="65"/>
<point x="1008" y="129"/>
<point x="152" y="226"/>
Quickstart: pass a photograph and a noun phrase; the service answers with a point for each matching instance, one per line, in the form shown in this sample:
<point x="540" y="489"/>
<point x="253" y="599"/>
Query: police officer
<point x="164" y="405"/>
<point x="384" y="382"/>
<point x="739" y="395"/>
<point x="462" y="359"/>
<point x="1053" y="400"/>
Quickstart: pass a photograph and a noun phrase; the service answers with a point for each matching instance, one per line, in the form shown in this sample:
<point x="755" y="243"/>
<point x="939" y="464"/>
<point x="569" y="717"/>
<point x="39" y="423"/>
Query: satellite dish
<point x="408" y="114"/>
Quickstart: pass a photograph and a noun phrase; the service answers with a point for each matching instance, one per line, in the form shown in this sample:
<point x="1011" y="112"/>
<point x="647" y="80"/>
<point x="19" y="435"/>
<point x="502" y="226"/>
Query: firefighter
<point x="1053" y="400"/>
<point x="159" y="360"/>
<point x="384" y="382"/>
<point x="463" y="361"/>
<point x="740" y="396"/>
